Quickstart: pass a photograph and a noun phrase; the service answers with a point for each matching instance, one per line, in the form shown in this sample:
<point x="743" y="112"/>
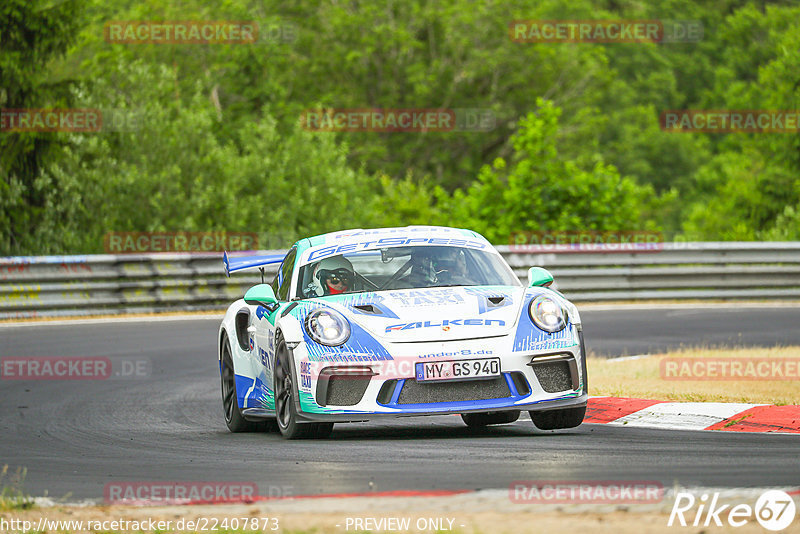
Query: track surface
<point x="643" y="331"/>
<point x="76" y="436"/>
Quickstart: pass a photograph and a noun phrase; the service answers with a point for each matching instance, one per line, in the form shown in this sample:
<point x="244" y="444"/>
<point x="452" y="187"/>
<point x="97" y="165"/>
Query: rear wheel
<point x="230" y="403"/>
<point x="489" y="418"/>
<point x="288" y="422"/>
<point x="557" y="419"/>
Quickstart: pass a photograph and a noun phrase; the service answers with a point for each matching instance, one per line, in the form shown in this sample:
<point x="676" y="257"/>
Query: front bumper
<point x="554" y="404"/>
<point x="534" y="381"/>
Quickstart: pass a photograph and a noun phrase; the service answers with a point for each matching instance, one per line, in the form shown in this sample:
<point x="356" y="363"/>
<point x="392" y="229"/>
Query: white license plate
<point x="458" y="369"/>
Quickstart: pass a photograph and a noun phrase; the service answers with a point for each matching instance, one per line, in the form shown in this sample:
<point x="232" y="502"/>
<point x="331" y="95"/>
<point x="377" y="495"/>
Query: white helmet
<point x="337" y="266"/>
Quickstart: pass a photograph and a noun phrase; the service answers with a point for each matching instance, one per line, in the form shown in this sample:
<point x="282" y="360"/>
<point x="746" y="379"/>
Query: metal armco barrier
<point x="42" y="286"/>
<point x="46" y="286"/>
<point x="676" y="271"/>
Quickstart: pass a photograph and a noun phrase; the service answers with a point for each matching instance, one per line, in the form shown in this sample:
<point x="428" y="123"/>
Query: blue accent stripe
<point x="397" y="389"/>
<point x="451" y="406"/>
<point x="488" y="404"/>
<point x="233" y="265"/>
<point x="243" y="385"/>
<point x="511" y="386"/>
<point x="261" y="396"/>
<point x="504" y="402"/>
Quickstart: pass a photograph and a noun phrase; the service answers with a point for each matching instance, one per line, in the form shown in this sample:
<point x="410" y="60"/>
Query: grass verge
<point x="11" y="496"/>
<point x="642" y="378"/>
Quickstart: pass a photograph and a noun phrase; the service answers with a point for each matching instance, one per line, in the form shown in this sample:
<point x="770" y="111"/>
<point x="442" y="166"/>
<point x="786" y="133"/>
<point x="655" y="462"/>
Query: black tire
<point x="288" y="422"/>
<point x="474" y="420"/>
<point x="583" y="365"/>
<point x="566" y="417"/>
<point x="558" y="419"/>
<point x="230" y="405"/>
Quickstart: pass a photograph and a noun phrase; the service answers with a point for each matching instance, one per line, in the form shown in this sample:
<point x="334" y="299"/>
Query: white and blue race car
<point x="391" y="322"/>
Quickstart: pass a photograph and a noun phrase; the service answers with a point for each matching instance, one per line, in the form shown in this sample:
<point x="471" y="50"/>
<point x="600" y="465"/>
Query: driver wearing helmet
<point x="333" y="276"/>
<point x="437" y="266"/>
<point x="450" y="266"/>
<point x="422" y="273"/>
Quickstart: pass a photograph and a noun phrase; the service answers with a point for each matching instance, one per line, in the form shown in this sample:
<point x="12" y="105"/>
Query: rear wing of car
<point x="244" y="263"/>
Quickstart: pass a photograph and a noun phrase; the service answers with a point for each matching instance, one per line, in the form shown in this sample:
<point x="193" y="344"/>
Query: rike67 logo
<point x="774" y="510"/>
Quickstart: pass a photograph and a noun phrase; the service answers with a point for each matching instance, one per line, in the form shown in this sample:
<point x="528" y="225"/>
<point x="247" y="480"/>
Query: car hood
<point x="434" y="314"/>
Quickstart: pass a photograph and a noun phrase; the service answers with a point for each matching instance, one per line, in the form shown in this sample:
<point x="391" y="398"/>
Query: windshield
<point x="403" y="268"/>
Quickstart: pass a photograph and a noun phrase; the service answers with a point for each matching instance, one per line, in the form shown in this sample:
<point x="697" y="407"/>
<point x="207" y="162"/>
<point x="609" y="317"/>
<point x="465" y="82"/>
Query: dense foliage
<point x="216" y="141"/>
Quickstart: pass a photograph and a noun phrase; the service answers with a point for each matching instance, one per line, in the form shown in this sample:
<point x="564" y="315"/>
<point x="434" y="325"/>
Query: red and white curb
<point x="731" y="417"/>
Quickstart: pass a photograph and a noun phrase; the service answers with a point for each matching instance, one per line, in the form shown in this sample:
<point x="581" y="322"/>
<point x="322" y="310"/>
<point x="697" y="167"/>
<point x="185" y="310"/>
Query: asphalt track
<point x="76" y="436"/>
<point x="618" y="332"/>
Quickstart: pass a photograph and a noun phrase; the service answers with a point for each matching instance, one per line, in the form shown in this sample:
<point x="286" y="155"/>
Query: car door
<point x="266" y="319"/>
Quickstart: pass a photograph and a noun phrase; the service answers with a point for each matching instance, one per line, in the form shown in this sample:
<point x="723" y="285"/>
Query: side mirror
<point x="261" y="294"/>
<point x="538" y="277"/>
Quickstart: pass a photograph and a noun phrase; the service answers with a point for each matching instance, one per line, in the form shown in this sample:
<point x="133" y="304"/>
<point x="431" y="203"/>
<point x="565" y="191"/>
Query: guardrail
<point x="45" y="286"/>
<point x="41" y="286"/>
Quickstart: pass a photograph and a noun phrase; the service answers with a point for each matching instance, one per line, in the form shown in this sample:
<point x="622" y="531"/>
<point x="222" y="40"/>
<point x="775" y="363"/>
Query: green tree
<point x="540" y="190"/>
<point x="168" y="171"/>
<point x="32" y="34"/>
<point x="751" y="187"/>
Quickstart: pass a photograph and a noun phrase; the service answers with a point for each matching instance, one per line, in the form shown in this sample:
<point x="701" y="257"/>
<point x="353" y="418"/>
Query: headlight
<point x="547" y="314"/>
<point x="327" y="327"/>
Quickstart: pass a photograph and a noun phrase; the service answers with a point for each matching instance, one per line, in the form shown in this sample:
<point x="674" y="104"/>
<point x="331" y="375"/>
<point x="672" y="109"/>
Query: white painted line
<point x="627" y="358"/>
<point x="683" y="415"/>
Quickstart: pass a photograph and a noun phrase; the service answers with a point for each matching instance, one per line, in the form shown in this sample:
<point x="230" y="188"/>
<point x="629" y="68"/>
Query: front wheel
<point x="477" y="420"/>
<point x="558" y="419"/>
<point x="288" y="424"/>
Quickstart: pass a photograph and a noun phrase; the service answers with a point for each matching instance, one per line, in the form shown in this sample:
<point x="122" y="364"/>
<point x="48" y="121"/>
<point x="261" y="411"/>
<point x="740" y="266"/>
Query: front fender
<point x="291" y="329"/>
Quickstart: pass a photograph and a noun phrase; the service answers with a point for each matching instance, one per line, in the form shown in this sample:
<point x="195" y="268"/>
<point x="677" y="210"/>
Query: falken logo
<point x="445" y="323"/>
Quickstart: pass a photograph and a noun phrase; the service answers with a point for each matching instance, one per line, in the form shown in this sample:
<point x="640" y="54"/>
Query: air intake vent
<point x="387" y="389"/>
<point x="342" y="386"/>
<point x="346" y="390"/>
<point x="496" y="301"/>
<point x="368" y="308"/>
<point x="521" y="383"/>
<point x="242" y="321"/>
<point x="556" y="374"/>
<point x="414" y="392"/>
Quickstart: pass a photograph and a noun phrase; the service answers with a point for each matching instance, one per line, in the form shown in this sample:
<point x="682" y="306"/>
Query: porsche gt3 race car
<point x="389" y="322"/>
